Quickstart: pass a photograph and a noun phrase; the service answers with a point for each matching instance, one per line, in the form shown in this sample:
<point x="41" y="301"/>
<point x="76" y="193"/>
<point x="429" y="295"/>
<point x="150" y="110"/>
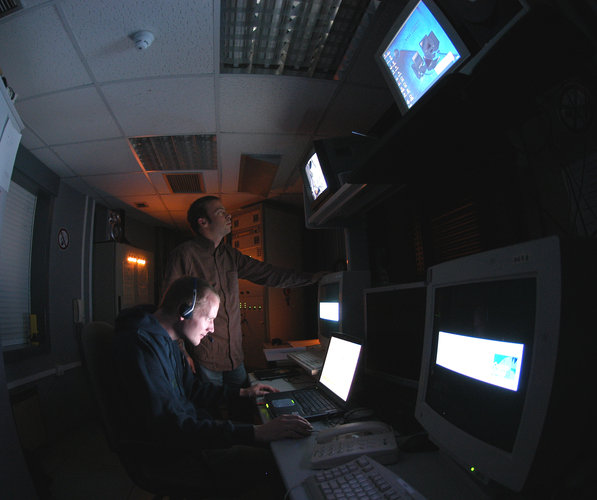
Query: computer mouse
<point x="357" y="414"/>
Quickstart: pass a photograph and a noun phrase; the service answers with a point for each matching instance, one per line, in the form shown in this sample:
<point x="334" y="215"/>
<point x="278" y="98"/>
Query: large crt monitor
<point x="340" y="304"/>
<point x="421" y="48"/>
<point x="506" y="371"/>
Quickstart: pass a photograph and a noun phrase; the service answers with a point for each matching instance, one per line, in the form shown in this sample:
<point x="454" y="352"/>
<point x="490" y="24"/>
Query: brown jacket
<point x="222" y="267"/>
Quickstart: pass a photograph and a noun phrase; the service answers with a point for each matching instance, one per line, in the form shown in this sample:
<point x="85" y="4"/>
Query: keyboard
<point x="362" y="477"/>
<point x="310" y="360"/>
<point x="313" y="402"/>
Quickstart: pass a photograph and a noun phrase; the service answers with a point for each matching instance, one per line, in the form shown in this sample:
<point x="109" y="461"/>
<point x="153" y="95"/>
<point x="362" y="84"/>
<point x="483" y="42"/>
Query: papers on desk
<point x="304" y="343"/>
<point x="280" y="352"/>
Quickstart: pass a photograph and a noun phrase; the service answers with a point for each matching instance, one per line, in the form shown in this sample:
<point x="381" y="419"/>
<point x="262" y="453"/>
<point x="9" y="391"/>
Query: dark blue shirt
<point x="162" y="402"/>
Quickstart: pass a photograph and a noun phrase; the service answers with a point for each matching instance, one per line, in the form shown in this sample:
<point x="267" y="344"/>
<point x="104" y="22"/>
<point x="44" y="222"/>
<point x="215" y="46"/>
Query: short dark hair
<point x="179" y="295"/>
<point x="199" y="209"/>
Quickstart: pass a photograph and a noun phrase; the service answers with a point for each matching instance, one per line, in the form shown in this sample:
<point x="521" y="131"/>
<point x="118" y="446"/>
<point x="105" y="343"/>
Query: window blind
<point x="15" y="265"/>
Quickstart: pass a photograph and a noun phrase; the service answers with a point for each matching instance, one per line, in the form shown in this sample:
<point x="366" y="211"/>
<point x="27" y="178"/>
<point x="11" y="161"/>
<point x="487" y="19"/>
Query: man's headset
<point x="186" y="311"/>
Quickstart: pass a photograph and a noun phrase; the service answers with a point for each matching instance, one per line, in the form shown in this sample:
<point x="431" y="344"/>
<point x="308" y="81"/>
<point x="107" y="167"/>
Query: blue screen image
<point x="419" y="54"/>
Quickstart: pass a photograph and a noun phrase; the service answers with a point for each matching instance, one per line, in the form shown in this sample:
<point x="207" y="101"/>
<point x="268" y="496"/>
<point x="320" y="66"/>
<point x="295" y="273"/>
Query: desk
<point x="432" y="473"/>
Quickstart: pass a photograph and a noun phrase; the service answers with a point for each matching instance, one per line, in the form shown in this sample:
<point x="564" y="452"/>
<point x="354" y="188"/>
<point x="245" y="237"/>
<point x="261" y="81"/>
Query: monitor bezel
<point x="391" y="34"/>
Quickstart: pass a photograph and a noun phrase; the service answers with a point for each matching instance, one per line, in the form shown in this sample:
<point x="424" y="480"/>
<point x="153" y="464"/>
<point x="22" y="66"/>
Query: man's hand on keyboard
<point x="257" y="390"/>
<point x="283" y="427"/>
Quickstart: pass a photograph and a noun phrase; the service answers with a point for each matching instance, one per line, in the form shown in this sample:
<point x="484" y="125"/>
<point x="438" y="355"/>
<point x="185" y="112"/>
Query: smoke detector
<point x="142" y="39"/>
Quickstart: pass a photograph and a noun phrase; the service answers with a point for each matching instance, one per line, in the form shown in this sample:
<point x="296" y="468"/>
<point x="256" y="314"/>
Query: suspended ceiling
<point x="84" y="91"/>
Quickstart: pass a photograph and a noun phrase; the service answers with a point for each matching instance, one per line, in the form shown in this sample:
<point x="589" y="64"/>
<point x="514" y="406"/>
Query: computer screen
<point x="340" y="366"/>
<point x="493" y="392"/>
<point x="421" y="48"/>
<point x="394" y="328"/>
<point x="340" y="304"/>
<point x="316" y="182"/>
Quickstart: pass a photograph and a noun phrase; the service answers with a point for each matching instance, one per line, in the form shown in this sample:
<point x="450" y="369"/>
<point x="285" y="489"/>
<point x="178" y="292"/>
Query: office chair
<point x="96" y="339"/>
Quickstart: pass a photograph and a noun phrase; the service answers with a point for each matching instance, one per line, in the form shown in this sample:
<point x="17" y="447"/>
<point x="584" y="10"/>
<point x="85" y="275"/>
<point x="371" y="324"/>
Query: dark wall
<point x="496" y="145"/>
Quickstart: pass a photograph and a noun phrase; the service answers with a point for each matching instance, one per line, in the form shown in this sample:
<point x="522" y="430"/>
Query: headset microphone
<point x="210" y="338"/>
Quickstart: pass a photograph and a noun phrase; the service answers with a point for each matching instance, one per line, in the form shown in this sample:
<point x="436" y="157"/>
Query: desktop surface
<point x="431" y="473"/>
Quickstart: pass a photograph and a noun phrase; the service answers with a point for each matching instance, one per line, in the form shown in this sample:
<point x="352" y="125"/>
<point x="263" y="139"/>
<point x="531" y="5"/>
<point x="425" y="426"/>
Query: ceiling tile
<point x="169" y="106"/>
<point x="121" y="184"/>
<point x="53" y="162"/>
<point x="66" y="117"/>
<point x="102" y="29"/>
<point x="272" y="104"/>
<point x="291" y="148"/>
<point x="89" y="158"/>
<point x="153" y="201"/>
<point x="37" y="55"/>
<point x="180" y="202"/>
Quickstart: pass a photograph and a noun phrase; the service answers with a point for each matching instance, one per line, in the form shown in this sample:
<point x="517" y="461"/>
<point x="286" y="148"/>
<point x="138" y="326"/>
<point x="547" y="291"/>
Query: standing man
<point x="209" y="257"/>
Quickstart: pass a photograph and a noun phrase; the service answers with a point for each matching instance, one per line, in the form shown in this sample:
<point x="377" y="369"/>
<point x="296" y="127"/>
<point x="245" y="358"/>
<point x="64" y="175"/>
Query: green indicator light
<point x="473" y="469"/>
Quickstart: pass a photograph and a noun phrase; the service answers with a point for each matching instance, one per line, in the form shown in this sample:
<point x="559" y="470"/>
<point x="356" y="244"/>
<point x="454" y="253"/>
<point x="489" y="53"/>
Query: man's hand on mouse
<point x="257" y="390"/>
<point x="283" y="427"/>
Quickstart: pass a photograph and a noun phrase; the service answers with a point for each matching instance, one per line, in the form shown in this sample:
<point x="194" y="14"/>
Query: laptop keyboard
<point x="313" y="401"/>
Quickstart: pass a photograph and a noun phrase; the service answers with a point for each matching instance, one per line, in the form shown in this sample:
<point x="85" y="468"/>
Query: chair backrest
<point x="97" y="342"/>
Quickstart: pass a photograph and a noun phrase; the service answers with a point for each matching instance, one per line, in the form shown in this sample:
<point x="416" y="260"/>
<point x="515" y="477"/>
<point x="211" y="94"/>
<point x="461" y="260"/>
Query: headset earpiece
<point x="186" y="311"/>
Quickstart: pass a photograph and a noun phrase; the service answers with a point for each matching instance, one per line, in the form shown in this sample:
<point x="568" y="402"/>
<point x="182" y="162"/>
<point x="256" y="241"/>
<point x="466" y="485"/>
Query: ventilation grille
<point x="185" y="183"/>
<point x="298" y="38"/>
<point x="8" y="7"/>
<point x="456" y="233"/>
<point x="176" y="152"/>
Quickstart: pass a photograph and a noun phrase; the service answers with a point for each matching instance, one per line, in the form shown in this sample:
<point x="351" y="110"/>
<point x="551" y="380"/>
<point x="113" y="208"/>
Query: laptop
<point x="331" y="391"/>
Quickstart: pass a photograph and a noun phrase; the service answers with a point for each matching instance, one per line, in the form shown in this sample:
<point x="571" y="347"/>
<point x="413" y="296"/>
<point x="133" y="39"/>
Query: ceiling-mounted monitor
<point x="420" y="49"/>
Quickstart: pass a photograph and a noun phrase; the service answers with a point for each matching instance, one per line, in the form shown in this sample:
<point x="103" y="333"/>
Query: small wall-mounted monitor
<point x="327" y="167"/>
<point x="420" y="49"/>
<point x="340" y="304"/>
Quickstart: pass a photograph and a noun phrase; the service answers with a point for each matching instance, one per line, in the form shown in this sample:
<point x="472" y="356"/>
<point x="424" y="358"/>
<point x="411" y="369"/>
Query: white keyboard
<point x="310" y="360"/>
<point x="363" y="478"/>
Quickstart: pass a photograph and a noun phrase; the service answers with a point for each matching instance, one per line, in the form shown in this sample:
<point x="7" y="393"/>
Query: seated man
<point x="165" y="408"/>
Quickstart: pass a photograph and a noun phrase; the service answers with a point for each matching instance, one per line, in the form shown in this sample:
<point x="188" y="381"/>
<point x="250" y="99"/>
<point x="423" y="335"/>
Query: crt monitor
<point x="394" y="327"/>
<point x="340" y="304"/>
<point x="328" y="165"/>
<point x="420" y="49"/>
<point x="502" y="379"/>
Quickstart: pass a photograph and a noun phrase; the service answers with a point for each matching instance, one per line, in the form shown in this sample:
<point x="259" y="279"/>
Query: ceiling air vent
<point x="257" y="173"/>
<point x="185" y="183"/>
<point x="176" y="152"/>
<point x="8" y="7"/>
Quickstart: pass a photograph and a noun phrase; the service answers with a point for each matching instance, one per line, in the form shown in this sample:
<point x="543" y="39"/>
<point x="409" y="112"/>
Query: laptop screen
<point x="340" y="366"/>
